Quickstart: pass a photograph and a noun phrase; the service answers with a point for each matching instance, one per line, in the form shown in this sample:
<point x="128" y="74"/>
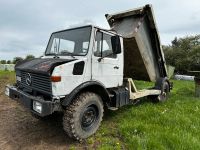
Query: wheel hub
<point x="89" y="117"/>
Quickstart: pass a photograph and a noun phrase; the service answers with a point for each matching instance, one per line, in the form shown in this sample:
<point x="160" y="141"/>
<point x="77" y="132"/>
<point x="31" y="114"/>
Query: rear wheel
<point x="165" y="89"/>
<point x="164" y="93"/>
<point x="82" y="118"/>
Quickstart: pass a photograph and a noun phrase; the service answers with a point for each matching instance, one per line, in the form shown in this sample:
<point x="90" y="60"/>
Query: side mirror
<point x="116" y="45"/>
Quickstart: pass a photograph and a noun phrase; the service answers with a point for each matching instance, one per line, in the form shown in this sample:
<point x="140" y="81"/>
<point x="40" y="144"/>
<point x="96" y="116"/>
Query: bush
<point x="3" y="61"/>
<point x="30" y="57"/>
<point x="184" y="54"/>
<point x="17" y="59"/>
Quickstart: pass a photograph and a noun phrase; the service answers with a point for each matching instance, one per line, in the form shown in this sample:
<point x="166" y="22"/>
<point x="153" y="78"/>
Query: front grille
<point x="40" y="83"/>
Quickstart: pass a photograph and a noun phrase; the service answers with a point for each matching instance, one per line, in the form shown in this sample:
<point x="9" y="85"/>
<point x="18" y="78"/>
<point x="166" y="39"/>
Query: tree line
<point x="184" y="54"/>
<point x="16" y="59"/>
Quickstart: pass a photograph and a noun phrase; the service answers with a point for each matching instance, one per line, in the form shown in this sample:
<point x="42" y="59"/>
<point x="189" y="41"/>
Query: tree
<point x="8" y="62"/>
<point x="17" y="59"/>
<point x="3" y="61"/>
<point x="30" y="57"/>
<point x="183" y="53"/>
<point x="175" y="42"/>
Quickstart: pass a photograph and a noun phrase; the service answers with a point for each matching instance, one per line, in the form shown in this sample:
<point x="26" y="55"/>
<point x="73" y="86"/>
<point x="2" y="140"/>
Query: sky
<point x="25" y="26"/>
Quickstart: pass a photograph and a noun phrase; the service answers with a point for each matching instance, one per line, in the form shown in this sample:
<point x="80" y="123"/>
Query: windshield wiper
<point x="55" y="55"/>
<point x="66" y="52"/>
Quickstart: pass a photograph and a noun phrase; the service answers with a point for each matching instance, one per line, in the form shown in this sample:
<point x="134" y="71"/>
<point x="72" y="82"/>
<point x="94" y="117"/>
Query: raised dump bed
<point x="143" y="58"/>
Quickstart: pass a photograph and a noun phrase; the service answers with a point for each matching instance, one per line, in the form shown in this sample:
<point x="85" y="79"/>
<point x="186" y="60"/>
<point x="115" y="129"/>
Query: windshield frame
<point x="74" y="54"/>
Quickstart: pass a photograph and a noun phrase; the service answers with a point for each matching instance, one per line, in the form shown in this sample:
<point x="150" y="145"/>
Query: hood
<point x="43" y="66"/>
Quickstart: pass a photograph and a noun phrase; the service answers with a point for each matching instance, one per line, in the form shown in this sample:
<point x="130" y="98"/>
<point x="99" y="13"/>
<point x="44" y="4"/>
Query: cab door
<point x="106" y="66"/>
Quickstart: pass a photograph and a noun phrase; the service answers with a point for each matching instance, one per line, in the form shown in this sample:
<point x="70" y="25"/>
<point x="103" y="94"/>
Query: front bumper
<point x="48" y="107"/>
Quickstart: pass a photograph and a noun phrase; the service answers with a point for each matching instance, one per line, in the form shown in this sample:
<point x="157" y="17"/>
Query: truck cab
<point x="91" y="52"/>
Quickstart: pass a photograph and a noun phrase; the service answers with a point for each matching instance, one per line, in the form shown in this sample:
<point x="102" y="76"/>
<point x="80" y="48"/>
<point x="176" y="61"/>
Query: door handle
<point x="116" y="67"/>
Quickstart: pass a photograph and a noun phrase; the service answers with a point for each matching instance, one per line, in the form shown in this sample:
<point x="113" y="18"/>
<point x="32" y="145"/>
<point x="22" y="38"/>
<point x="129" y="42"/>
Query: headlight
<point x="37" y="106"/>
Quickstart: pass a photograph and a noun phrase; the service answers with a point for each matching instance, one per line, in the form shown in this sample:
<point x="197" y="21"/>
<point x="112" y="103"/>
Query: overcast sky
<point x="25" y="26"/>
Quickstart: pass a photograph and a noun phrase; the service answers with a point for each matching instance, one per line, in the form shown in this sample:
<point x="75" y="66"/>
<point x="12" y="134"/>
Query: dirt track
<point x="19" y="130"/>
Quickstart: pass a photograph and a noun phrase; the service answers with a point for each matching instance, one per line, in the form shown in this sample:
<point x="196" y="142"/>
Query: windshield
<point x="73" y="42"/>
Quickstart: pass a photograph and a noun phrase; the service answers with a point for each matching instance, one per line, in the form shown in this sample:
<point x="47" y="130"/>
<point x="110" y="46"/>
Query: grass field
<point x="174" y="124"/>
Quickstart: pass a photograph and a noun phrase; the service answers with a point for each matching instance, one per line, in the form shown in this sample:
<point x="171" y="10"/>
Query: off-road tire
<point x="165" y="89"/>
<point x="74" y="119"/>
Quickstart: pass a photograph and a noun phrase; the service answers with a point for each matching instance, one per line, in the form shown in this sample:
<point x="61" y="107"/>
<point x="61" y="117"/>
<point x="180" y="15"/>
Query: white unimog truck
<point x="87" y="69"/>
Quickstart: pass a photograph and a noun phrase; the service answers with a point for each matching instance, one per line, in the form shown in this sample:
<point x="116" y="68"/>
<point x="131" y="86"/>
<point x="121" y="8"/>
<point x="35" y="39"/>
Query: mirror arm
<point x="99" y="59"/>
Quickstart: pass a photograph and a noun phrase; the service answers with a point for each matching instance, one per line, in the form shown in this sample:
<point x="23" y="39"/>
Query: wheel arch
<point x="90" y="86"/>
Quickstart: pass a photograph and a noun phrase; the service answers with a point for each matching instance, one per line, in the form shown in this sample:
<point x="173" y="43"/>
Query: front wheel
<point x="82" y="118"/>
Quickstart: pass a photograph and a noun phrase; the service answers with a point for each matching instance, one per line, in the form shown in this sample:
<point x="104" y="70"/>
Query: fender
<point x="92" y="86"/>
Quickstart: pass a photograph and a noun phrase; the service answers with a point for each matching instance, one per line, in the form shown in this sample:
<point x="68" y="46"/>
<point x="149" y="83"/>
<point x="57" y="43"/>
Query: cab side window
<point x="103" y="46"/>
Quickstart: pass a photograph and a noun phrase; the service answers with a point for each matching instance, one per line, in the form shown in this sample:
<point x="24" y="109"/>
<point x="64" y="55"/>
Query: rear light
<point x="55" y="78"/>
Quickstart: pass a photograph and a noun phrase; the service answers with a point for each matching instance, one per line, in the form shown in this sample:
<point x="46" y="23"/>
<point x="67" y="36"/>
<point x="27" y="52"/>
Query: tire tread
<point x="68" y="118"/>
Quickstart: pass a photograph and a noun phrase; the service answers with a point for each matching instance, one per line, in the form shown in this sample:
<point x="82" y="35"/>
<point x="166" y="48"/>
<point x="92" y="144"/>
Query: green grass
<point x="174" y="124"/>
<point x="7" y="76"/>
